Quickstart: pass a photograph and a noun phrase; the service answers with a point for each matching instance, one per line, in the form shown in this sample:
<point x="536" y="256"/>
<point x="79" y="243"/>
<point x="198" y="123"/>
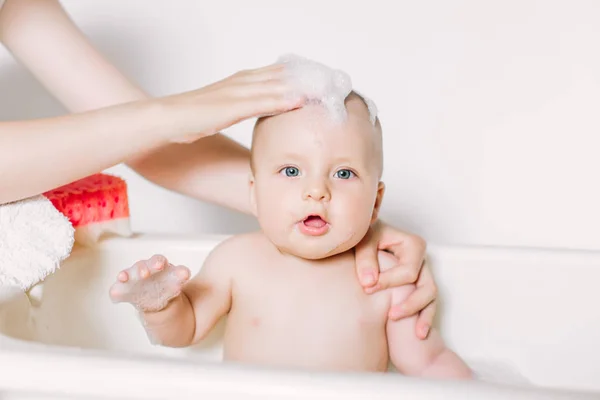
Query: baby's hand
<point x="149" y="284"/>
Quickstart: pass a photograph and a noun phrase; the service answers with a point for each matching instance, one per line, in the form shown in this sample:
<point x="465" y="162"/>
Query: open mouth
<point x="314" y="225"/>
<point x="314" y="221"/>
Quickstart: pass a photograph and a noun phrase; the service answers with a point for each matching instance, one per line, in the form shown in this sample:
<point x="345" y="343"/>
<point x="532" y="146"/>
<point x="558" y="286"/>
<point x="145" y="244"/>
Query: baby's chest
<point x="325" y="301"/>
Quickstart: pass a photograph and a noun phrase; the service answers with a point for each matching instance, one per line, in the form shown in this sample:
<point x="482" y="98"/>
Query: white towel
<point x="34" y="239"/>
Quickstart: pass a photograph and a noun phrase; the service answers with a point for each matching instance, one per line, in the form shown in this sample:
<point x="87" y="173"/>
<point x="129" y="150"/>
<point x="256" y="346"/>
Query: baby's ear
<point x="378" y="200"/>
<point x="252" y="195"/>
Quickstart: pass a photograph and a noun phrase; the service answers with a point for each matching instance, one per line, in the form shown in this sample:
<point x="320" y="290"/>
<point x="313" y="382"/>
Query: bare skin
<point x="146" y="134"/>
<point x="290" y="291"/>
<point x="312" y="314"/>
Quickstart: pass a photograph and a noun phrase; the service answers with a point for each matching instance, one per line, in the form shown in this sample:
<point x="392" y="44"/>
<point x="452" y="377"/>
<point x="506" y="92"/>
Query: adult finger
<point x="274" y="67"/>
<point x="408" y="249"/>
<point x="268" y="104"/>
<point x="398" y="276"/>
<point x="417" y="301"/>
<point x="272" y="71"/>
<point x="366" y="262"/>
<point x="425" y="320"/>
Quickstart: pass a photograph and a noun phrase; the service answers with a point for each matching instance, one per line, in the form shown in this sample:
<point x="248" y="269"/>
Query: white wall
<point x="490" y="109"/>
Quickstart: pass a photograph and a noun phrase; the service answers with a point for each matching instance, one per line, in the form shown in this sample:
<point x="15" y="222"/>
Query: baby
<point x="290" y="291"/>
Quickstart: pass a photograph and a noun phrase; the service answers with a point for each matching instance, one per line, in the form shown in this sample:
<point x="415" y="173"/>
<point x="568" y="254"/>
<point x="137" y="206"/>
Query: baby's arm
<point x="410" y="355"/>
<point x="177" y="313"/>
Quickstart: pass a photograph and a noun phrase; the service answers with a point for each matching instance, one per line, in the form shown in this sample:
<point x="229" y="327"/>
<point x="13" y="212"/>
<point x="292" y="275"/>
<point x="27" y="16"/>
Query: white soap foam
<point x="323" y="85"/>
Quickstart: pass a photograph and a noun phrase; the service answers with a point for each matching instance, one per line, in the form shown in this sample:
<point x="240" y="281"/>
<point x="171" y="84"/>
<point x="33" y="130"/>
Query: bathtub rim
<point x="127" y="375"/>
<point x="201" y="241"/>
<point x="31" y="361"/>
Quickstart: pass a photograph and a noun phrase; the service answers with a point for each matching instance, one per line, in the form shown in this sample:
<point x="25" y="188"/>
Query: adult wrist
<point x="158" y="121"/>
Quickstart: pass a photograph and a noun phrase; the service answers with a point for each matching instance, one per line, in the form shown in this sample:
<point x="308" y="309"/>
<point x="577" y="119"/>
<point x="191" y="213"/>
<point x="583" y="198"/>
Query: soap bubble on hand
<point x="150" y="284"/>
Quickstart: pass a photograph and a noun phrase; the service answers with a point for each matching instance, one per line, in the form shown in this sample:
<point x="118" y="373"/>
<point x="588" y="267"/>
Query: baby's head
<point x="315" y="184"/>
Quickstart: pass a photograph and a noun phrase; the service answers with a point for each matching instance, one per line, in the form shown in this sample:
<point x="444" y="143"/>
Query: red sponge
<point x="95" y="205"/>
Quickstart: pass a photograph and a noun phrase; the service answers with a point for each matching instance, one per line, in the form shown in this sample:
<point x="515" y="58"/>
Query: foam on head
<point x="355" y="107"/>
<point x="321" y="84"/>
<point x="326" y="87"/>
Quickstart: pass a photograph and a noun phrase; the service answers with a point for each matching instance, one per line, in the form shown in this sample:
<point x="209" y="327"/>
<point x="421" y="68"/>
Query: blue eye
<point x="291" y="171"/>
<point x="344" y="174"/>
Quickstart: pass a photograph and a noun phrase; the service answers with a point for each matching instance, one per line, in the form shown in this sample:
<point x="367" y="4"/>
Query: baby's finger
<point x="157" y="266"/>
<point x="157" y="259"/>
<point x="181" y="273"/>
<point x="118" y="293"/>
<point x="143" y="270"/>
<point x="133" y="273"/>
<point x="415" y="302"/>
<point x="123" y="276"/>
<point x="154" y="264"/>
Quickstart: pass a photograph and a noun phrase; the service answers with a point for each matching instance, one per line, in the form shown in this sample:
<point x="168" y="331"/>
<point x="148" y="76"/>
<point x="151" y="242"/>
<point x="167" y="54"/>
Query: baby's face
<point x="315" y="185"/>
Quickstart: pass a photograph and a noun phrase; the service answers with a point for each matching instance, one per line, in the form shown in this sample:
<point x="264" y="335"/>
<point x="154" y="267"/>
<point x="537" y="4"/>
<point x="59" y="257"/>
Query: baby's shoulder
<point x="255" y="239"/>
<point x="238" y="249"/>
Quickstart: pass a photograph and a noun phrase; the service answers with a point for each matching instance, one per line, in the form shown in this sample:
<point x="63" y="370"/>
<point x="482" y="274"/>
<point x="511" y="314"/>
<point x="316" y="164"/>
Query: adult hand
<point x="412" y="267"/>
<point x="246" y="94"/>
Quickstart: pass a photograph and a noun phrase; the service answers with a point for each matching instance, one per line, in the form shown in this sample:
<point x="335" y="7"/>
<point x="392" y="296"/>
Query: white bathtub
<point x="537" y="310"/>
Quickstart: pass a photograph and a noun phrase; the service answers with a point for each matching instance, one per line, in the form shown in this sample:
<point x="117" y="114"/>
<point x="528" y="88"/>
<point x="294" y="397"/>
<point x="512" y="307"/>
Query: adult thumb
<point x="366" y="264"/>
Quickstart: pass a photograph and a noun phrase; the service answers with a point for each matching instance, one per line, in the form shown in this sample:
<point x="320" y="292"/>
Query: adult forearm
<point x="214" y="169"/>
<point x="42" y="154"/>
<point x="39" y="155"/>
<point x="43" y="38"/>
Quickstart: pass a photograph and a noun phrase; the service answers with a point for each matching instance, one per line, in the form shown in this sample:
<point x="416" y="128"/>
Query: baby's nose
<point x="318" y="191"/>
